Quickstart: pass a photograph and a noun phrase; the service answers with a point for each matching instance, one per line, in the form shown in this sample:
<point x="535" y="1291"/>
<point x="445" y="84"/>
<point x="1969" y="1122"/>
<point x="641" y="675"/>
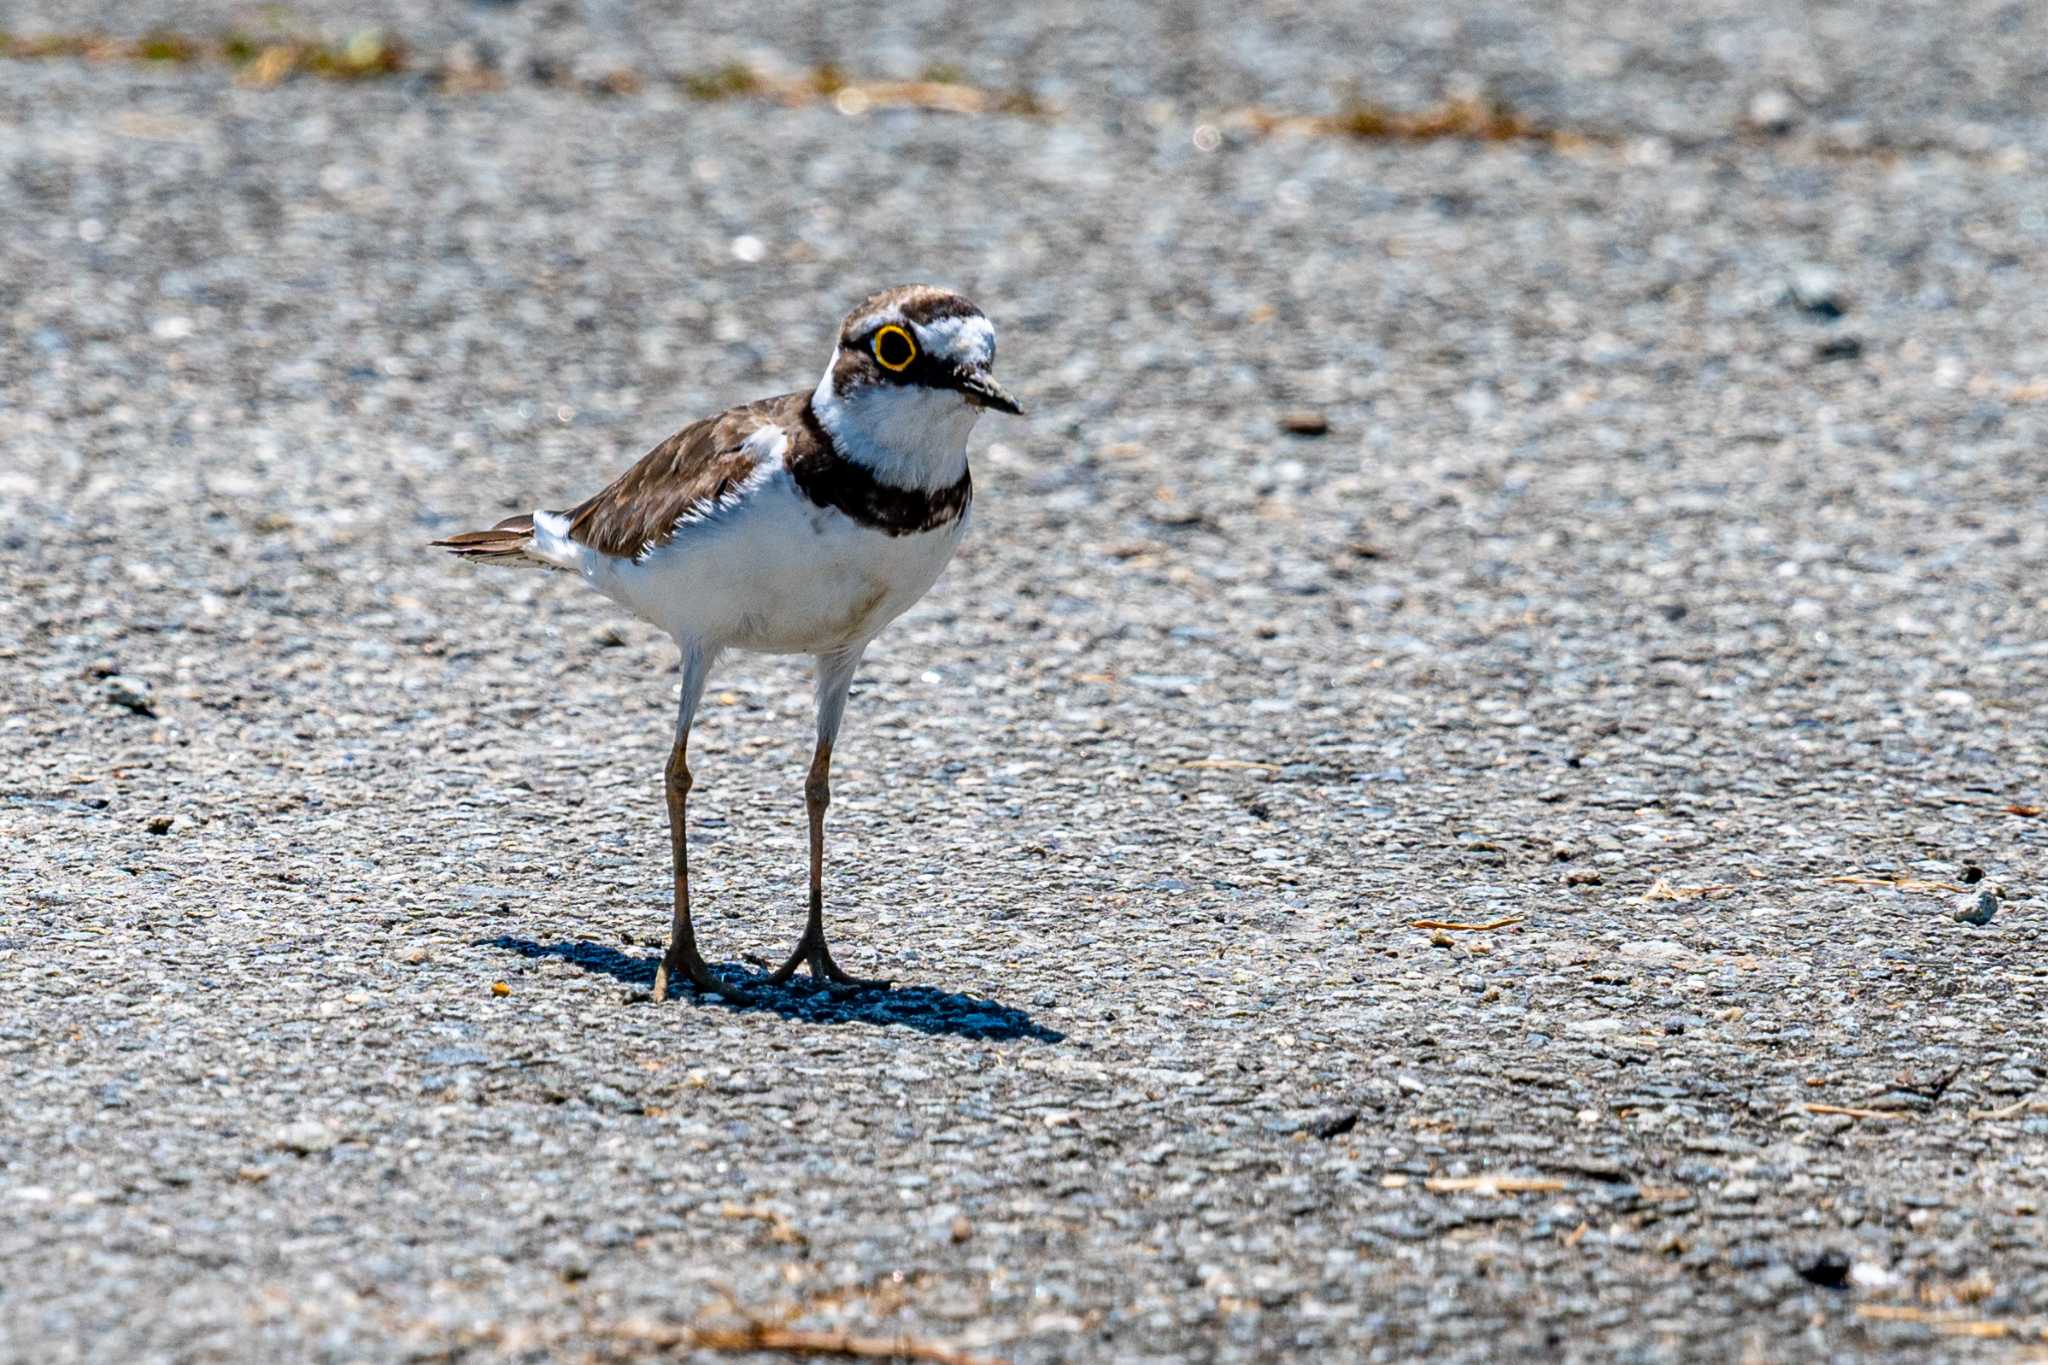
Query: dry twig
<point x="1452" y="927"/>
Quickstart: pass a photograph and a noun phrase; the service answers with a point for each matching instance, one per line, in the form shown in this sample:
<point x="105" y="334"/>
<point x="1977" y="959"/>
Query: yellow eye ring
<point x="903" y="354"/>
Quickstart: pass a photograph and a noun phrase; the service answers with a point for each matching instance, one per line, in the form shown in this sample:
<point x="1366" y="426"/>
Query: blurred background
<point x="1570" y="468"/>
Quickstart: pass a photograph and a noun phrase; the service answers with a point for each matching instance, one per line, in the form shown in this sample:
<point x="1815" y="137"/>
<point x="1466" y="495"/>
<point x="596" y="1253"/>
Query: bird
<point x="799" y="524"/>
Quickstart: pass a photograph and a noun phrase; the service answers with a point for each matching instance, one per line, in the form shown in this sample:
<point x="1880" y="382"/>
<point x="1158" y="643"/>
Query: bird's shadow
<point x="923" y="1008"/>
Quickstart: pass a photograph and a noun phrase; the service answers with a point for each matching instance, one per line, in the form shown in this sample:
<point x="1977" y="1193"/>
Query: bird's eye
<point x="894" y="348"/>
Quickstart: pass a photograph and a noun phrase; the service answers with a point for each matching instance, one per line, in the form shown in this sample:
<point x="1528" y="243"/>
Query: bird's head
<point x="912" y="370"/>
<point x="917" y="336"/>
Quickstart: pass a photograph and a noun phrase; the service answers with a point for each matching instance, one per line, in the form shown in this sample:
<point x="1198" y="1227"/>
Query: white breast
<point x="776" y="573"/>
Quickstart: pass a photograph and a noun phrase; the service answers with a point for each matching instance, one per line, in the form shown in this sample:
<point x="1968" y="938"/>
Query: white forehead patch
<point x="959" y="341"/>
<point x="874" y="320"/>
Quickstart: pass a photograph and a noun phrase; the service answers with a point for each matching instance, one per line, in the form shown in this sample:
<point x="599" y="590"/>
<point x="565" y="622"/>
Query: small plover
<point x="795" y="525"/>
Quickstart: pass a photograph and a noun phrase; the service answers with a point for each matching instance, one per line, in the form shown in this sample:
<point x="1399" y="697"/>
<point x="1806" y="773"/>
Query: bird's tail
<point x="509" y="542"/>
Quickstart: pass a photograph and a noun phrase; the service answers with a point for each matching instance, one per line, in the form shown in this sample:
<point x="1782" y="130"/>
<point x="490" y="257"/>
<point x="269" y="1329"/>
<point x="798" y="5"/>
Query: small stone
<point x="1772" y="111"/>
<point x="1305" y="422"/>
<point x="160" y="824"/>
<point x="305" y="1137"/>
<point x="1839" y="348"/>
<point x="1976" y="907"/>
<point x="1335" y="1124"/>
<point x="1817" y="290"/>
<point x="1582" y="876"/>
<point x="569" y="1260"/>
<point x="132" y="693"/>
<point x="413" y="956"/>
<point x="962" y="1229"/>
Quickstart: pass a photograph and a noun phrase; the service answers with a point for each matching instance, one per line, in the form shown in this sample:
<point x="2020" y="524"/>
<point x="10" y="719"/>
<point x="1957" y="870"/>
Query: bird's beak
<point x="982" y="391"/>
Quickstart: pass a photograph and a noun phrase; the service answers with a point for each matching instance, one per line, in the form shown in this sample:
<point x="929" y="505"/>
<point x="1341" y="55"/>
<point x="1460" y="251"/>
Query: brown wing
<point x="697" y="466"/>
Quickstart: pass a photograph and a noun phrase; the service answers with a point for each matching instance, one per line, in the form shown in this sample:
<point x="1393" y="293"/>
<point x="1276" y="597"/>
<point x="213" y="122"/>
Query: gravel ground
<point x="1677" y="546"/>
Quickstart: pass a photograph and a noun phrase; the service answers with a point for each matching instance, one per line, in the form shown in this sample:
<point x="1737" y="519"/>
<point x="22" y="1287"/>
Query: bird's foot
<point x="811" y="951"/>
<point x="700" y="976"/>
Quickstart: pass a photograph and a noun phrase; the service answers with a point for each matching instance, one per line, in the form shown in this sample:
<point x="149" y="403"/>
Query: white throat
<point x="908" y="436"/>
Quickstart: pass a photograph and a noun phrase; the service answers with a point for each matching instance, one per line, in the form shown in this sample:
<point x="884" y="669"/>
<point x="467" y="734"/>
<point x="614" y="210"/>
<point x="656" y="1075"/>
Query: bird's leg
<point x="682" y="944"/>
<point x="835" y="675"/>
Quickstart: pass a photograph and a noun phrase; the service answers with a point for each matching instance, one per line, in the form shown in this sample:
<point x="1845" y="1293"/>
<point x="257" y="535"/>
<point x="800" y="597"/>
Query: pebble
<point x="305" y="1137"/>
<point x="1817" y="289"/>
<point x="1335" y="1124"/>
<point x="132" y="693"/>
<point x="1976" y="907"/>
<point x="568" y="1259"/>
<point x="1773" y="111"/>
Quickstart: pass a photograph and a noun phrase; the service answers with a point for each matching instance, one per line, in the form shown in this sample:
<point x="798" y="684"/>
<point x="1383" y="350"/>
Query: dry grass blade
<point x="1467" y="120"/>
<point x="268" y="61"/>
<point x="942" y="94"/>
<point x="759" y="1336"/>
<point x="260" y="63"/>
<point x="1661" y="890"/>
<point x="1895" y="883"/>
<point x="1452" y="926"/>
<point x="1948" y="1323"/>
<point x="1492" y="1184"/>
<point x="2027" y="1105"/>
<point x="1848" y="1112"/>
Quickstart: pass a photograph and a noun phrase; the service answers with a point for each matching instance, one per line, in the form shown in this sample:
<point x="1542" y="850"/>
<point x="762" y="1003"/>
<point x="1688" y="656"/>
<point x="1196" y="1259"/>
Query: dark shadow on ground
<point x="916" y="1007"/>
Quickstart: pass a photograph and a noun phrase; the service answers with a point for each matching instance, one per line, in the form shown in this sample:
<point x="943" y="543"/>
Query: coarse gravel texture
<point x="1679" y="543"/>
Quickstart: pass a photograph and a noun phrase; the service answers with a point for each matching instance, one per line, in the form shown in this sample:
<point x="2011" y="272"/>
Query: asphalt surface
<point x="1678" y="546"/>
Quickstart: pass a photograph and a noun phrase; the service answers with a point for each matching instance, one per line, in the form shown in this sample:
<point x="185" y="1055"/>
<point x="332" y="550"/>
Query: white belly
<point x="779" y="575"/>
